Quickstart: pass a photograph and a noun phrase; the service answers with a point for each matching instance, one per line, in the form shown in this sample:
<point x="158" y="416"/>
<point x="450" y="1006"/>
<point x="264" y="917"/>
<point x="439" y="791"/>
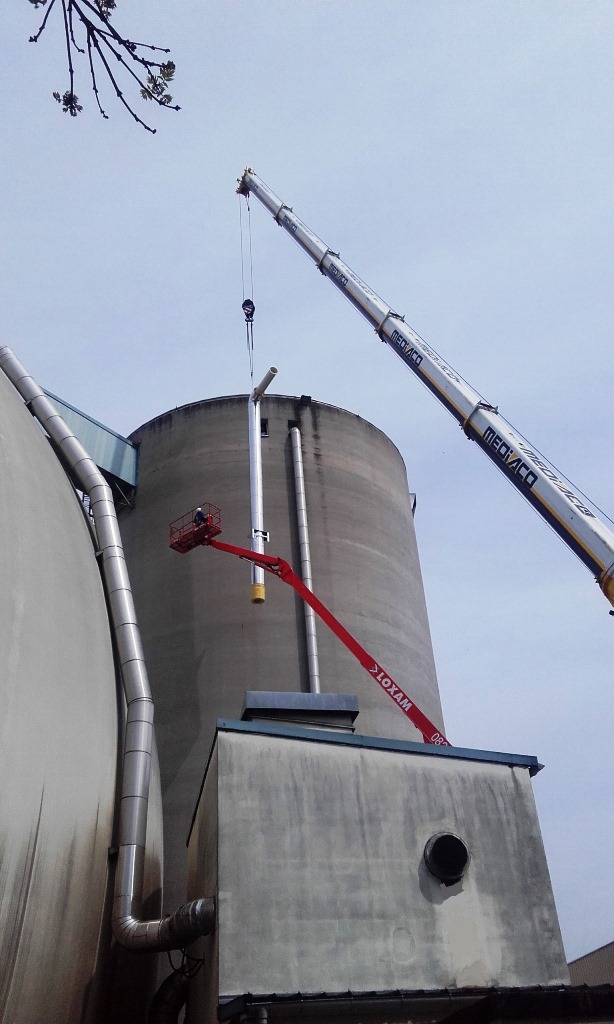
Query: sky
<point x="459" y="154"/>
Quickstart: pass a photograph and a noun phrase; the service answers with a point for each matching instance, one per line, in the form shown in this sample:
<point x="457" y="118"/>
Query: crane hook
<point x="249" y="309"/>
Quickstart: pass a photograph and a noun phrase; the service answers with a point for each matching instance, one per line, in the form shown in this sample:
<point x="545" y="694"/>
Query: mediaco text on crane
<point x="513" y="462"/>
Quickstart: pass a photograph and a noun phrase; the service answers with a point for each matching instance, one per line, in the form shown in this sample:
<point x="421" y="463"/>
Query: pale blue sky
<point x="460" y="156"/>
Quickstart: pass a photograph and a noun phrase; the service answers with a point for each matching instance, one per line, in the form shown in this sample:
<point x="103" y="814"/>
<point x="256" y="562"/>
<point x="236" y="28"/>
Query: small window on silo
<point x="264" y="428"/>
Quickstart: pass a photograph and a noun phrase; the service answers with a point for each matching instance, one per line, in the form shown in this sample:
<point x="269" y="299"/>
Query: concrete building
<point x="350" y="869"/>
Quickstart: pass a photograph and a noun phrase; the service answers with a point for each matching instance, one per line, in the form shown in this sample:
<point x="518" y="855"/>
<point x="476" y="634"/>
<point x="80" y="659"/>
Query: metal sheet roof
<point x="110" y="451"/>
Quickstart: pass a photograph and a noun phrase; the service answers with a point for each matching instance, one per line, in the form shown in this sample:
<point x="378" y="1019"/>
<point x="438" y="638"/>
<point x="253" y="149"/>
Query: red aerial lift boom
<point x="191" y="531"/>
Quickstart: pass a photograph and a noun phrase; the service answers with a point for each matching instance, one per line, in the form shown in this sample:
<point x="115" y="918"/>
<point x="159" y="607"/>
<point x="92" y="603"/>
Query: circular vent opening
<point x="446" y="857"/>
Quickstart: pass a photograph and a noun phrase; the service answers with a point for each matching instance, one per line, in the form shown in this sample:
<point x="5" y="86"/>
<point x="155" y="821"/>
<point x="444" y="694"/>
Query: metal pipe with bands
<point x="169" y="1000"/>
<point x="195" y="918"/>
<point x="255" y="482"/>
<point x="303" y="540"/>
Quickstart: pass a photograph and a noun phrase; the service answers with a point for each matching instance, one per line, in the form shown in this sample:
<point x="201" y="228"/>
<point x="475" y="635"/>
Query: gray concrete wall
<point x="206" y="644"/>
<point x="58" y="752"/>
<point x="203" y="852"/>
<point x="322" y="885"/>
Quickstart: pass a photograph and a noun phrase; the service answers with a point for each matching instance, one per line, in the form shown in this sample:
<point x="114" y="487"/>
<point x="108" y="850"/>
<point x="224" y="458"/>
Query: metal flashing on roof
<point x="269" y="699"/>
<point x="527" y="761"/>
<point x="338" y="710"/>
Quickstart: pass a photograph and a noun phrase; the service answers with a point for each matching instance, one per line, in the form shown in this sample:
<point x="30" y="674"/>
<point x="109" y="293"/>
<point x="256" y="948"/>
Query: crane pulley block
<point x="249" y="309"/>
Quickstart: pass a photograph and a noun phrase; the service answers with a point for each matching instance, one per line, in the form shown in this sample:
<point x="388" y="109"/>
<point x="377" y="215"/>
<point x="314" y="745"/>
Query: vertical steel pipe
<point x="256" y="499"/>
<point x="303" y="540"/>
<point x="255" y="483"/>
<point x="195" y="918"/>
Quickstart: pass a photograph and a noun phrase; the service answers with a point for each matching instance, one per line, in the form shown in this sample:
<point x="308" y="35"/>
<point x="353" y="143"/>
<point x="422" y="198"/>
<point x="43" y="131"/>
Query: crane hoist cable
<point x="247" y="305"/>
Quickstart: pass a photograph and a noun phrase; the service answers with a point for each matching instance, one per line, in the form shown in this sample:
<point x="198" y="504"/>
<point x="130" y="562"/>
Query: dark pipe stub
<point x="446" y="857"/>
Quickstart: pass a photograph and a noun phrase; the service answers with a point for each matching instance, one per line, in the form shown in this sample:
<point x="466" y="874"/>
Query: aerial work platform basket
<point x="196" y="527"/>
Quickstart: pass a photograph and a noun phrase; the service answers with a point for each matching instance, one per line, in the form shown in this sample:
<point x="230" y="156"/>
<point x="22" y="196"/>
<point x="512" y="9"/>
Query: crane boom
<point x="551" y="495"/>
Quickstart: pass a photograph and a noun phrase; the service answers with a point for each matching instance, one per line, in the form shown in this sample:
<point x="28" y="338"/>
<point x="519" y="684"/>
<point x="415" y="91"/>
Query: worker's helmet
<point x="199" y="509"/>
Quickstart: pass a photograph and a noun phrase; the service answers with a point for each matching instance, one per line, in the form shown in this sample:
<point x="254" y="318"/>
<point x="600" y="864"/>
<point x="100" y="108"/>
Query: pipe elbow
<point x="188" y="923"/>
<point x="177" y="931"/>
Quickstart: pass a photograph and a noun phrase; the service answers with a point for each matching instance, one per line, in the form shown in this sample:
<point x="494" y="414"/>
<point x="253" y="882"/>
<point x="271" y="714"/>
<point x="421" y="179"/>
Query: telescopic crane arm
<point x="550" y="494"/>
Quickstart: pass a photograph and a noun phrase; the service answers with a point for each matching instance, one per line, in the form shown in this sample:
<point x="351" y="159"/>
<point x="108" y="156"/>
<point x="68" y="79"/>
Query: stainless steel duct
<point x="303" y="539"/>
<point x="255" y="481"/>
<point x="169" y="1000"/>
<point x="197" y="917"/>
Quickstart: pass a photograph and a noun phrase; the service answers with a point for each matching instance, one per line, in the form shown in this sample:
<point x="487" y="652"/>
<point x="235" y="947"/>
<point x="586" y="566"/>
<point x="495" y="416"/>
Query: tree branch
<point x="93" y="18"/>
<point x="118" y="92"/>
<point x="93" y="74"/>
<point x="35" y="39"/>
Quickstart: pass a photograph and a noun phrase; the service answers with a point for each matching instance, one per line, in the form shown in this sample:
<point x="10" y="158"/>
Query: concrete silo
<point x="362" y="862"/>
<point x="205" y="643"/>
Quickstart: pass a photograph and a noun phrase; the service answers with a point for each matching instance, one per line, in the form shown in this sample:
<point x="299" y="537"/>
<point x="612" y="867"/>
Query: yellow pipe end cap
<point x="258" y="593"/>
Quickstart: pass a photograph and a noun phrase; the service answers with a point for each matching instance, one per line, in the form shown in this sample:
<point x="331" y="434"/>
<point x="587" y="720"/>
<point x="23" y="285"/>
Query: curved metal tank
<point x="206" y="644"/>
<point x="58" y="750"/>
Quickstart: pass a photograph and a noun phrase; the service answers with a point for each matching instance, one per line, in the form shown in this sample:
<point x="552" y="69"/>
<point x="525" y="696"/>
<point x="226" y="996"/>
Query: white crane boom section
<point x="551" y="495"/>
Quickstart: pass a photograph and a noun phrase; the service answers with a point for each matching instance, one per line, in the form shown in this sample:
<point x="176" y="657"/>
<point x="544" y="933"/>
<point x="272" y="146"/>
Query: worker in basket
<point x="199" y="517"/>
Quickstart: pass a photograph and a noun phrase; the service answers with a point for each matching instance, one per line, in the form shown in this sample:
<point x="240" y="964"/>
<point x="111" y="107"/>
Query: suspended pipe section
<point x="197" y="917"/>
<point x="303" y="540"/>
<point x="258" y="533"/>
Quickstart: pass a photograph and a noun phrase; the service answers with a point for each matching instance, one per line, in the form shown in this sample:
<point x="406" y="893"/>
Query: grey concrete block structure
<point x="205" y="643"/>
<point x="316" y="846"/>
